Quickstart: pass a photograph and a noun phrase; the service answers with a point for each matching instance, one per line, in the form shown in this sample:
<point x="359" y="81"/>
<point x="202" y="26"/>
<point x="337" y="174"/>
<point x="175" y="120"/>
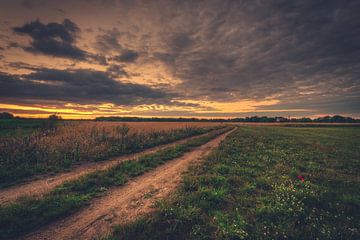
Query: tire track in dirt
<point x="46" y="183"/>
<point x="127" y="203"/>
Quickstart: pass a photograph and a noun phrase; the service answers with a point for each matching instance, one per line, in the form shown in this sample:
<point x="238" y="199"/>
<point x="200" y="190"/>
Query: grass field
<point x="30" y="147"/>
<point x="262" y="182"/>
<point x="19" y="127"/>
<point x="265" y="183"/>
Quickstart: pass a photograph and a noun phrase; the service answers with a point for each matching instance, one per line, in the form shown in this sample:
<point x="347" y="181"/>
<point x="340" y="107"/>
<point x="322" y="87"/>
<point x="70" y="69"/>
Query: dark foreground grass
<point x="16" y="127"/>
<point x="265" y="183"/>
<point x="29" y="213"/>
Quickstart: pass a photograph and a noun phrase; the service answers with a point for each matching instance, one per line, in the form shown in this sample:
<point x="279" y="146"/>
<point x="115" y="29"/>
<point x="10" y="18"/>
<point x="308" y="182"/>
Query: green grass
<point x="251" y="188"/>
<point x="29" y="213"/>
<point x="20" y="127"/>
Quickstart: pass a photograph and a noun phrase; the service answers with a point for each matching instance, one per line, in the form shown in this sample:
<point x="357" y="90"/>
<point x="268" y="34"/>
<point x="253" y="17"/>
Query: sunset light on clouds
<point x="211" y="59"/>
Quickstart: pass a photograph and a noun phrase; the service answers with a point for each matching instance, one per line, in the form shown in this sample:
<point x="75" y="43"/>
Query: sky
<point x="179" y="58"/>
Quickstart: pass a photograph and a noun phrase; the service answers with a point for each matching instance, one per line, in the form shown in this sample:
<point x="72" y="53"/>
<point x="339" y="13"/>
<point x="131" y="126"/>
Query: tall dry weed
<point x="59" y="148"/>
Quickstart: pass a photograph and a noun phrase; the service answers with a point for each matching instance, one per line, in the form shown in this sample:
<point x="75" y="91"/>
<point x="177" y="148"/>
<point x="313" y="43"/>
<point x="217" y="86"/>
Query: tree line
<point x="325" y="119"/>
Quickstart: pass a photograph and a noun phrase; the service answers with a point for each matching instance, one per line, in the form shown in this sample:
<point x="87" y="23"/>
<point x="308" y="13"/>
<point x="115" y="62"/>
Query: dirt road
<point x="47" y="183"/>
<point x="124" y="204"/>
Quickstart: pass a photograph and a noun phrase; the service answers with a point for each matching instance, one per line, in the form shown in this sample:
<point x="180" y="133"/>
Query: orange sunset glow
<point x="209" y="59"/>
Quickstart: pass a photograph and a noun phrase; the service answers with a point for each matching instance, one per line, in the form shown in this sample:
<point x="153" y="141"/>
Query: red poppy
<point x="301" y="178"/>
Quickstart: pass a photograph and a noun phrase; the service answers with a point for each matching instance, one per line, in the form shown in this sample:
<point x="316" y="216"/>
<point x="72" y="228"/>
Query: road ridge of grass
<point x="61" y="169"/>
<point x="127" y="203"/>
<point x="45" y="183"/>
<point x="28" y="213"/>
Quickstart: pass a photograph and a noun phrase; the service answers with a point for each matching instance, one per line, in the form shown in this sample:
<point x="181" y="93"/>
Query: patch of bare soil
<point x="46" y="183"/>
<point x="125" y="204"/>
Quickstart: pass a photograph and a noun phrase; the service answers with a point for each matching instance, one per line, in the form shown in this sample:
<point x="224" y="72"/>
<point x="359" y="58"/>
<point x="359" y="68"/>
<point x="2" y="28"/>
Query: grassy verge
<point x="28" y="213"/>
<point x="265" y="183"/>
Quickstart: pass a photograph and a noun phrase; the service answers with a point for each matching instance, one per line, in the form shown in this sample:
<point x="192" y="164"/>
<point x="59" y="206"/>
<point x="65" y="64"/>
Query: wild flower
<point x="301" y="178"/>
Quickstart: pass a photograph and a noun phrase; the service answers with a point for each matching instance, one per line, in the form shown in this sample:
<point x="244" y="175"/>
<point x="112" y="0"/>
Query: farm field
<point x="29" y="213"/>
<point x="211" y="181"/>
<point x="45" y="183"/>
<point x="179" y="120"/>
<point x="265" y="183"/>
<point x="25" y="126"/>
<point x="30" y="147"/>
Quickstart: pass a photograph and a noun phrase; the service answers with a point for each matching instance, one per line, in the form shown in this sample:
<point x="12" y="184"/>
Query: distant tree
<point x="54" y="117"/>
<point x="326" y="119"/>
<point x="281" y="119"/>
<point x="51" y="122"/>
<point x="304" y="119"/>
<point x="6" y="115"/>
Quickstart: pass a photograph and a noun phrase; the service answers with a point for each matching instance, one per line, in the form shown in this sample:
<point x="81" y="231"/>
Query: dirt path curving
<point x="125" y="204"/>
<point x="46" y="183"/>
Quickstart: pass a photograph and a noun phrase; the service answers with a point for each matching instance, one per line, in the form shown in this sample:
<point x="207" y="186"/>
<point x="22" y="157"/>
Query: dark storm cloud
<point x="108" y="40"/>
<point x="127" y="56"/>
<point x="260" y="49"/>
<point x="59" y="10"/>
<point x="115" y="71"/>
<point x="22" y="65"/>
<point x="180" y="42"/>
<point x="98" y="58"/>
<point x="13" y="45"/>
<point x="55" y="39"/>
<point x="306" y="54"/>
<point x="81" y="86"/>
<point x="334" y="103"/>
<point x="27" y="4"/>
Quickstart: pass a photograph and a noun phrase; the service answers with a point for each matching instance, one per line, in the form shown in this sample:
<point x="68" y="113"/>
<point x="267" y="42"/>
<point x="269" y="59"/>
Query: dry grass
<point x="49" y="150"/>
<point x="146" y="126"/>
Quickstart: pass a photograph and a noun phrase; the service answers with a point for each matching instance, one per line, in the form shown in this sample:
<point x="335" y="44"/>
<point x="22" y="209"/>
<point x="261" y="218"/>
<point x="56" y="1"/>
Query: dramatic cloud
<point x="80" y="85"/>
<point x="274" y="55"/>
<point x="117" y="71"/>
<point x="108" y="41"/>
<point x="27" y="4"/>
<point x="127" y="56"/>
<point x="263" y="49"/>
<point x="55" y="39"/>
